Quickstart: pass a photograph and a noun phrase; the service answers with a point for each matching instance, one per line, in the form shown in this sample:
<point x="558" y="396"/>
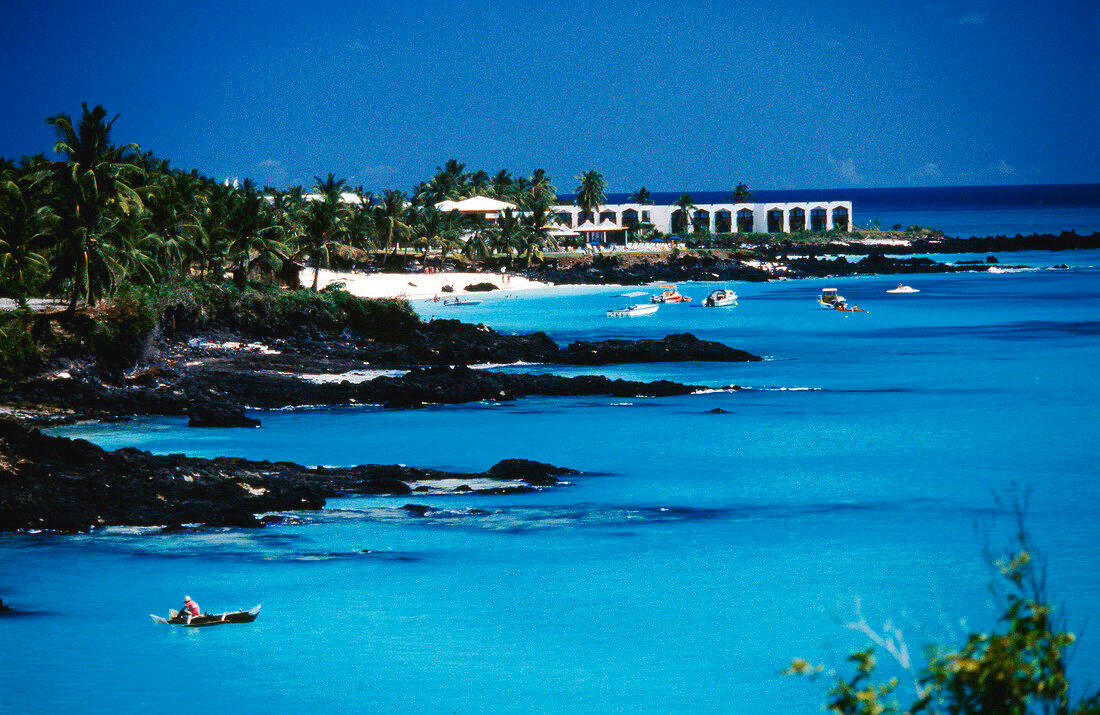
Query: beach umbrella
<point x="559" y="231"/>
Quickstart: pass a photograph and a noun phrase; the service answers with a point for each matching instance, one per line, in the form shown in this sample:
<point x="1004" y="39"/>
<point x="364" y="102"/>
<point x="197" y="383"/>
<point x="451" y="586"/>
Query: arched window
<point x="585" y="217"/>
<point x="607" y="216"/>
<point x="744" y="221"/>
<point x="679" y="222"/>
<point x="565" y="218"/>
<point x="818" y="218"/>
<point x="775" y="221"/>
<point x="797" y="220"/>
<point x="630" y="218"/>
<point x="701" y="221"/>
<point x="723" y="221"/>
<point x="840" y="218"/>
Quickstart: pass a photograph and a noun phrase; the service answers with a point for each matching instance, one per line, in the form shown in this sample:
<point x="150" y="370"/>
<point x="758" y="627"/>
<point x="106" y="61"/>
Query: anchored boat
<point x="175" y="618"/>
<point x="460" y="301"/>
<point x="720" y="297"/>
<point x="829" y="299"/>
<point x="632" y="311"/>
<point x="669" y="294"/>
<point x="902" y="288"/>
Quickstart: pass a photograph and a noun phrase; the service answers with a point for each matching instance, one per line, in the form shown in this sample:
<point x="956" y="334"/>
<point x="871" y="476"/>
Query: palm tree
<point x="686" y="205"/>
<point x="434" y="229"/>
<point x="537" y="222"/>
<point x="361" y="228"/>
<point x="480" y="182"/>
<point x="476" y="245"/>
<point x="23" y="228"/>
<point x="255" y="239"/>
<point x="391" y="217"/>
<point x="741" y="194"/>
<point x="590" y="192"/>
<point x="173" y="209"/>
<point x="641" y="196"/>
<point x="540" y="190"/>
<point x="509" y="237"/>
<point x="501" y="185"/>
<point x="92" y="180"/>
<point x="326" y="224"/>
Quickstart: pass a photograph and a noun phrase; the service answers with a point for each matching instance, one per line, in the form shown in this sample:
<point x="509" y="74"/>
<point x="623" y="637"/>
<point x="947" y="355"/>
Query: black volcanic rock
<point x="671" y="348"/>
<point x="215" y="415"/>
<point x="73" y="485"/>
<point x="480" y="287"/>
<point x="536" y="473"/>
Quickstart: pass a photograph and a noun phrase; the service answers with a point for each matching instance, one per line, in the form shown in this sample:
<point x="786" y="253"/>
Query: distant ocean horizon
<point x="956" y="210"/>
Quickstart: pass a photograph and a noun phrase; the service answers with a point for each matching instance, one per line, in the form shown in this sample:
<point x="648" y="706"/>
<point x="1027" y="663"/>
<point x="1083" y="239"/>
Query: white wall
<point x="661" y="216"/>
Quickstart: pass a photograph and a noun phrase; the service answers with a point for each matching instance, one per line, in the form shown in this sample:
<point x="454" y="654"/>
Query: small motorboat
<point x="902" y="288"/>
<point x="669" y="294"/>
<point x="721" y="297"/>
<point x="633" y="311"/>
<point x="460" y="301"/>
<point x="175" y="618"/>
<point x="829" y="299"/>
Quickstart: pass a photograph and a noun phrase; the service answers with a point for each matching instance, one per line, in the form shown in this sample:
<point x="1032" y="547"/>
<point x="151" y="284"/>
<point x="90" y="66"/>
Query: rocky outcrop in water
<point x="213" y="384"/>
<point x="672" y="348"/>
<point x="72" y="485"/>
<point x="209" y="414"/>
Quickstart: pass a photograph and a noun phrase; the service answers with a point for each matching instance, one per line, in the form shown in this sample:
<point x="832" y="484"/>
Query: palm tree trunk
<point x="316" y="272"/>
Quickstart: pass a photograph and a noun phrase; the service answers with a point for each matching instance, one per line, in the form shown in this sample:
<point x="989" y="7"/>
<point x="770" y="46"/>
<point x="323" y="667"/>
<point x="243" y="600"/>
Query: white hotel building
<point x="719" y="218"/>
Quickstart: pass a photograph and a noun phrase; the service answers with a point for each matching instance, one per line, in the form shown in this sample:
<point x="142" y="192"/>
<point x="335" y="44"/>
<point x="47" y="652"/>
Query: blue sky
<point x="676" y="95"/>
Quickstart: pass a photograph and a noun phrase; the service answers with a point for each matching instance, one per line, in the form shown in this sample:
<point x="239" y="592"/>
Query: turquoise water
<point x="697" y="555"/>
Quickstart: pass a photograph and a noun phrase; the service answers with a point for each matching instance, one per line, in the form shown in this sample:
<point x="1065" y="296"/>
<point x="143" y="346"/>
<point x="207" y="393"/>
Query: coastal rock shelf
<point x="72" y="485"/>
<point x="213" y="377"/>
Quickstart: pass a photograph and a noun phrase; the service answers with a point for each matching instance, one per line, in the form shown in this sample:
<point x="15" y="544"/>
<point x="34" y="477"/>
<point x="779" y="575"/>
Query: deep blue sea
<point x="960" y="211"/>
<point x="695" y="557"/>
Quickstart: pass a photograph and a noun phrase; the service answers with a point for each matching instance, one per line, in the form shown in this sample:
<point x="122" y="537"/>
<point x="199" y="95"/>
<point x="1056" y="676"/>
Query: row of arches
<point x="796" y="220"/>
<point x="630" y="217"/>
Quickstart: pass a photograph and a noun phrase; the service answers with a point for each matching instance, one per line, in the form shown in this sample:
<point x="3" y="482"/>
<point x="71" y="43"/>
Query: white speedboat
<point x="902" y="288"/>
<point x="829" y="299"/>
<point x="461" y="301"/>
<point x="720" y="297"/>
<point x="633" y="311"/>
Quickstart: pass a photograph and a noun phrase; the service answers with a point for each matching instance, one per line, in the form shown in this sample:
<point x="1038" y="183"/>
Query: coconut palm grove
<point x="102" y="215"/>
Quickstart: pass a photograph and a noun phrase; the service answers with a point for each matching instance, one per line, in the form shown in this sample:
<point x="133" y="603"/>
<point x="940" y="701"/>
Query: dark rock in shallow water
<point x="73" y="485"/>
<point x="463" y="488"/>
<point x="417" y="509"/>
<point x="991" y="259"/>
<point x="671" y="348"/>
<point x="717" y="411"/>
<point x="534" y="473"/>
<point x="211" y="415"/>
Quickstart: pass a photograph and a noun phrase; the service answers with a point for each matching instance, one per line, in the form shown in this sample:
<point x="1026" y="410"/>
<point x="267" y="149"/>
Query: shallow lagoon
<point x="698" y="554"/>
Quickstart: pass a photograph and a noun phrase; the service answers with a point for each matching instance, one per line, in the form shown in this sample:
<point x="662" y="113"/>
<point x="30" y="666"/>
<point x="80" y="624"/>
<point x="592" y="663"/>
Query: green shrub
<point x="19" y="355"/>
<point x="1018" y="669"/>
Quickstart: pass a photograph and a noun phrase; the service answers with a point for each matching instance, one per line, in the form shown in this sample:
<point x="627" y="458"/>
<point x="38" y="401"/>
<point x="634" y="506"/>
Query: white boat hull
<point x="633" y="311"/>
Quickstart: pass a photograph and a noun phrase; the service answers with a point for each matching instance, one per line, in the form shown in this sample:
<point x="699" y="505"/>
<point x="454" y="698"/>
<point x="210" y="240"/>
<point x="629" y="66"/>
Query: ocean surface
<point x="960" y="211"/>
<point x="697" y="554"/>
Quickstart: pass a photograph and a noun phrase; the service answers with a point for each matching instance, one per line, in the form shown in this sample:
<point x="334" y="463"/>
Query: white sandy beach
<point x="415" y="285"/>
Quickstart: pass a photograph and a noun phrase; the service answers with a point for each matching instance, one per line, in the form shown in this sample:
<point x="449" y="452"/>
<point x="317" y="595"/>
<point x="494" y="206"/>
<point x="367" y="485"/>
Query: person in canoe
<point x="190" y="608"/>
